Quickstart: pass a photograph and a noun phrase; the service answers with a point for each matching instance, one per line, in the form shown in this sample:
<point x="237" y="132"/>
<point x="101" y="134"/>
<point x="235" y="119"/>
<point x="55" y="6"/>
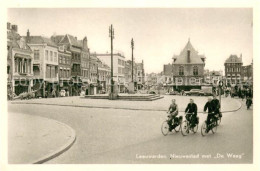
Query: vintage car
<point x="192" y="92"/>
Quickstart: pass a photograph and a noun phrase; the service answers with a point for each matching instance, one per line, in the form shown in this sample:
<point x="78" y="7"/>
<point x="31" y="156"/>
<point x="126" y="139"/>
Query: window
<point x="53" y="74"/>
<point x="48" y="71"/>
<point x="64" y="60"/>
<point x="51" y="55"/>
<point x="29" y="66"/>
<point x="16" y="64"/>
<point x="60" y="73"/>
<point x="195" y="70"/>
<point x="181" y="70"/>
<point x="60" y="59"/>
<point x="36" y="54"/>
<point x="55" y="56"/>
<point x="46" y="55"/>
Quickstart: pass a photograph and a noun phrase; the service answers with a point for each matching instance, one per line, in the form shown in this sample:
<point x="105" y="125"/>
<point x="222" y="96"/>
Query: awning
<point x="18" y="55"/>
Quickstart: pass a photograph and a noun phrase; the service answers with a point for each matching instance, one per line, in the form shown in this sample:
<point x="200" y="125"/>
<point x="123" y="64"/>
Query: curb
<point x="107" y="107"/>
<point x="60" y="150"/>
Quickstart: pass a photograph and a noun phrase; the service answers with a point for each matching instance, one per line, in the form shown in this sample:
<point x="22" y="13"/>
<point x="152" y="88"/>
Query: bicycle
<point x="211" y="127"/>
<point x="176" y="126"/>
<point x="186" y="126"/>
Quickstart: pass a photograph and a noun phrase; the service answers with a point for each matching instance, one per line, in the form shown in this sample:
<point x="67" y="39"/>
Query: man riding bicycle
<point x="216" y="103"/>
<point x="173" y="110"/>
<point x="212" y="111"/>
<point x="191" y="113"/>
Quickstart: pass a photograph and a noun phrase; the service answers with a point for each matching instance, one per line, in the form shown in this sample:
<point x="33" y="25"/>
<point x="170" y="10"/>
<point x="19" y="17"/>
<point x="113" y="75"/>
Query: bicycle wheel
<point x="203" y="129"/>
<point x="214" y="129"/>
<point x="177" y="128"/>
<point x="165" y="128"/>
<point x="195" y="128"/>
<point x="184" y="128"/>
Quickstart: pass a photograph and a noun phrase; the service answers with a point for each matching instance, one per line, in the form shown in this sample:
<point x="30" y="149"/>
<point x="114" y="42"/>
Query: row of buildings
<point x="63" y="62"/>
<point x="187" y="71"/>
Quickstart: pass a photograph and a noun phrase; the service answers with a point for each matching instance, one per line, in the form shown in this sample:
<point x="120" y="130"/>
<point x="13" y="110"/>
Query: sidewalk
<point x="33" y="139"/>
<point x="228" y="104"/>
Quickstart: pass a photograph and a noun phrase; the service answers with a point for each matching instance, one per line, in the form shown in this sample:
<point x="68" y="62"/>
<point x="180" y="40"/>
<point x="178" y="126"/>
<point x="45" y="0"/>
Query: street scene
<point x="130" y="86"/>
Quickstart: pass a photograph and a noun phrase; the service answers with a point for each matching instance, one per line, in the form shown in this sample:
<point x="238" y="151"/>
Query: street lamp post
<point x="132" y="46"/>
<point x="111" y="35"/>
<point x="220" y="85"/>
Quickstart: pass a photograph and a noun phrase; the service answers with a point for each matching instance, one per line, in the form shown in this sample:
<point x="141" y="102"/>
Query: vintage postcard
<point x="164" y="85"/>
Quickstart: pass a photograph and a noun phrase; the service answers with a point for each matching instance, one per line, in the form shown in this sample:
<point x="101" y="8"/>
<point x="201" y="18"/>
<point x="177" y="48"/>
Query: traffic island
<point x="127" y="97"/>
<point x="35" y="140"/>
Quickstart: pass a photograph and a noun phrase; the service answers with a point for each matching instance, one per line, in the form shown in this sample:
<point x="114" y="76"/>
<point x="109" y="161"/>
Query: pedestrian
<point x="53" y="93"/>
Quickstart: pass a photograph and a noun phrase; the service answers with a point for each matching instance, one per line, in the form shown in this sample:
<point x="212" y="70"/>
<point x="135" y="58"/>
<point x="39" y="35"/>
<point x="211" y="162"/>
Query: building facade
<point x="188" y="68"/>
<point x="19" y="63"/>
<point x="64" y="69"/>
<point x="45" y="64"/>
<point x="80" y="57"/>
<point x="247" y="74"/>
<point x="103" y="77"/>
<point x="233" y="69"/>
<point x="140" y="74"/>
<point x="118" y="68"/>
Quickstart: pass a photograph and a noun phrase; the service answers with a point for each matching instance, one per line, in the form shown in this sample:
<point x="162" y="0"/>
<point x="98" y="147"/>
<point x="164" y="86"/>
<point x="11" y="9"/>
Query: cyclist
<point x="210" y="106"/>
<point x="173" y="110"/>
<point x="191" y="109"/>
<point x="216" y="103"/>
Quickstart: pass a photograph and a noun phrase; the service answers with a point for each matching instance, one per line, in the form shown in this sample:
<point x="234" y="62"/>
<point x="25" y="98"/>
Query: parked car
<point x="204" y="93"/>
<point x="152" y="92"/>
<point x="174" y="93"/>
<point x="193" y="92"/>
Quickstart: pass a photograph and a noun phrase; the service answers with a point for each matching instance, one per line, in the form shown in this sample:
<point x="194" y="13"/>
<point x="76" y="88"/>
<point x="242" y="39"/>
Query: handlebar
<point x="189" y="113"/>
<point x="212" y="113"/>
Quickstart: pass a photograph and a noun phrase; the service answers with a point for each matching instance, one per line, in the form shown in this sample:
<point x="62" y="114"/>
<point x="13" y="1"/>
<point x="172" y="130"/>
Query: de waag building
<point x="188" y="69"/>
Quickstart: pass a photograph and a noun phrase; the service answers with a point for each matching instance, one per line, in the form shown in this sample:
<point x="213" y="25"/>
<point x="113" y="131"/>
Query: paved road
<point x="127" y="136"/>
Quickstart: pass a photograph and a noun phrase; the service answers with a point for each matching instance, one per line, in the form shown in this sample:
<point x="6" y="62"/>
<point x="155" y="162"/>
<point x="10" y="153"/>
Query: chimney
<point x="8" y="26"/>
<point x="188" y="56"/>
<point x="85" y="43"/>
<point x="28" y="36"/>
<point x="14" y="28"/>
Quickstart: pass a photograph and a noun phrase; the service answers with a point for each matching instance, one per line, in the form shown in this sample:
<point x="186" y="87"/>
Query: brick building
<point x="233" y="69"/>
<point x="188" y="68"/>
<point x="64" y="69"/>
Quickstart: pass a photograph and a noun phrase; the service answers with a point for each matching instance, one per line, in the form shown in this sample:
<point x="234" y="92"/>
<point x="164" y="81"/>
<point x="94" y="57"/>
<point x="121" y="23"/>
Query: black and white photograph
<point x="130" y="85"/>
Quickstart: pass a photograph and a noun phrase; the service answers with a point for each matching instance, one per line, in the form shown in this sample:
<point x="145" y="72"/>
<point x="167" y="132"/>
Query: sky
<point x="158" y="33"/>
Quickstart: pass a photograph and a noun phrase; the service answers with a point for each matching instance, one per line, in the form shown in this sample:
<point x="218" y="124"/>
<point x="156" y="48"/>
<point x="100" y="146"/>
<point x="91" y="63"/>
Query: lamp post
<point x="220" y="85"/>
<point x="111" y="35"/>
<point x="132" y="46"/>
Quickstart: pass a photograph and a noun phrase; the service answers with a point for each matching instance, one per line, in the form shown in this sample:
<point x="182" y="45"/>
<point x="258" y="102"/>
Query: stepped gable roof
<point x="234" y="59"/>
<point x="195" y="58"/>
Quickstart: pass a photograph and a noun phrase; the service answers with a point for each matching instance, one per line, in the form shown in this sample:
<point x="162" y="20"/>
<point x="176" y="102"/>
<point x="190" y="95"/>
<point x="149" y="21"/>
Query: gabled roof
<point x="69" y="39"/>
<point x="40" y="40"/>
<point x="234" y="59"/>
<point x="195" y="58"/>
<point x="57" y="38"/>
